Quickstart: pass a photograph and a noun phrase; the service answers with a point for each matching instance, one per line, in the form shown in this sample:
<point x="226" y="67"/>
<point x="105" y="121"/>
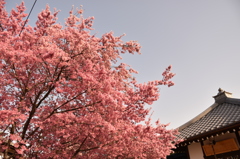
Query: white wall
<point x="195" y="151"/>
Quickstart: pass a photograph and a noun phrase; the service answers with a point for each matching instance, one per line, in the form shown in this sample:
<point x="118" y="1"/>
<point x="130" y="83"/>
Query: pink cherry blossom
<point x="63" y="94"/>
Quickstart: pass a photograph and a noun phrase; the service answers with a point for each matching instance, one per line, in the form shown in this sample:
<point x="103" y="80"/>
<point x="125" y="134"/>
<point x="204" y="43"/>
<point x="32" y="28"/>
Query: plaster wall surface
<point x="195" y="151"/>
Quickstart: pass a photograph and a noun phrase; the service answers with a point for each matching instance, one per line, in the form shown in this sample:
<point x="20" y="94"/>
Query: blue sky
<point x="200" y="39"/>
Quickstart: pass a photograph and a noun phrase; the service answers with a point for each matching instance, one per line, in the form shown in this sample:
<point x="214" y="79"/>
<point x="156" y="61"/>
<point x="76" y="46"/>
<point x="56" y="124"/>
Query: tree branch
<point x="32" y="133"/>
<point x="79" y="149"/>
<point x="79" y="107"/>
<point x="28" y="121"/>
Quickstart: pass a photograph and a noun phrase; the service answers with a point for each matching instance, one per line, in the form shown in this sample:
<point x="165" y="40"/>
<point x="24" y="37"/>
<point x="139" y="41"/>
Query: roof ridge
<point x="233" y="101"/>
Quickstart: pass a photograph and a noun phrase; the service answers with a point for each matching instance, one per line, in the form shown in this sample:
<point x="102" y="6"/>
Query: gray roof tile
<point x="217" y="116"/>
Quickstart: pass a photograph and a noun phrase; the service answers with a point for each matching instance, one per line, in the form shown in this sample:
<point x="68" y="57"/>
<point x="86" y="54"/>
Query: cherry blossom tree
<point x="64" y="95"/>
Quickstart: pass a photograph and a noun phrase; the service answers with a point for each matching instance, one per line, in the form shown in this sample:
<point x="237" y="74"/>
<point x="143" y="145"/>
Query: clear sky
<point x="200" y="39"/>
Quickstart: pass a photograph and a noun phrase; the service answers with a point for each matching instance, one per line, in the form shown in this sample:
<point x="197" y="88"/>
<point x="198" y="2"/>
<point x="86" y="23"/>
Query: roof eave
<point x="230" y="127"/>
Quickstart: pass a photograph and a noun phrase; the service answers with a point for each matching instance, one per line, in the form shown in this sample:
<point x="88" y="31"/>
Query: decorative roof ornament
<point x="222" y="96"/>
<point x="220" y="90"/>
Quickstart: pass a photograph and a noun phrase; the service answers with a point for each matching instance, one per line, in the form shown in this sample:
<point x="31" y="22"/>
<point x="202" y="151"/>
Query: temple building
<point x="213" y="134"/>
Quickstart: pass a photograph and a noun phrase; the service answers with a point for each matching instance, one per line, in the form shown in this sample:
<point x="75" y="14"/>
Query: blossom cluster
<point x="61" y="97"/>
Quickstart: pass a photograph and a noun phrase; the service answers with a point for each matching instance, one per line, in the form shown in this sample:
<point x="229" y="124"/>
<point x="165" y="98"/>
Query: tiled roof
<point x="219" y="115"/>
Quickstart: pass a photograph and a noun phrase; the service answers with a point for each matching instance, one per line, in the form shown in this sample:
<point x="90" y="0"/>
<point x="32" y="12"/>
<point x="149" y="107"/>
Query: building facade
<point x="213" y="134"/>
